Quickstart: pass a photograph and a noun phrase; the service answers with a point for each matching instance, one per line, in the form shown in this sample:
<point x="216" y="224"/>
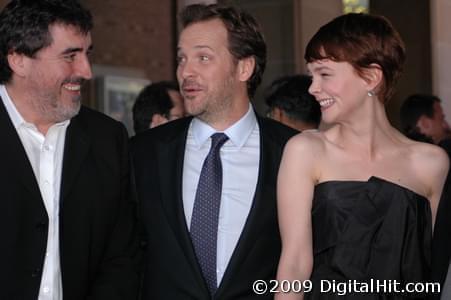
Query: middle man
<point x="207" y="184"/>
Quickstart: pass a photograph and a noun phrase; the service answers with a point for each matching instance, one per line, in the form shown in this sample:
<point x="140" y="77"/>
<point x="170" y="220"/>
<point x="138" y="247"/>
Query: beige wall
<point x="310" y="15"/>
<point x="412" y="20"/>
<point x="441" y="52"/>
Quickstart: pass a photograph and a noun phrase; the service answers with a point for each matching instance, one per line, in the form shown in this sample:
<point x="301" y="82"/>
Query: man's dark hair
<point x="412" y="109"/>
<point x="290" y="94"/>
<point x="244" y="35"/>
<point x="153" y="99"/>
<point x="24" y="27"/>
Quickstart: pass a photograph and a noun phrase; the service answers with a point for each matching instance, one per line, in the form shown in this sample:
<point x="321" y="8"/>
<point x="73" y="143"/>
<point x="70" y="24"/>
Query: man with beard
<point x="67" y="223"/>
<point x="207" y="184"/>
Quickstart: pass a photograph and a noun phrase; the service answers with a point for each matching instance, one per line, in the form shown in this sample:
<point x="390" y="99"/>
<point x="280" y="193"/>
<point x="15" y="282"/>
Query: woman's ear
<point x="373" y="77"/>
<point x="246" y="68"/>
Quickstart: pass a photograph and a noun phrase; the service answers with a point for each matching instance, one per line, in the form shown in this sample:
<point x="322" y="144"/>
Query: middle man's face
<point x="206" y="70"/>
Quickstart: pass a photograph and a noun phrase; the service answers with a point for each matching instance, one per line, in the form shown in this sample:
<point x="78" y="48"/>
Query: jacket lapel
<point x="76" y="148"/>
<point x="259" y="210"/>
<point x="171" y="153"/>
<point x="16" y="160"/>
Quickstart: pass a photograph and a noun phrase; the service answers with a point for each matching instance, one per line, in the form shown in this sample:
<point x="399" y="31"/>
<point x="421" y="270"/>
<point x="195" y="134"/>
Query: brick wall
<point x="134" y="34"/>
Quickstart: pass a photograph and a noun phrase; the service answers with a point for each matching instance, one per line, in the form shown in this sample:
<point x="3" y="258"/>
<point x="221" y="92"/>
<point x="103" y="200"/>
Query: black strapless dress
<point x="364" y="231"/>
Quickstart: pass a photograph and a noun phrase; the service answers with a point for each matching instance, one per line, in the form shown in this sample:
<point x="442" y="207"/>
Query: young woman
<point x="358" y="200"/>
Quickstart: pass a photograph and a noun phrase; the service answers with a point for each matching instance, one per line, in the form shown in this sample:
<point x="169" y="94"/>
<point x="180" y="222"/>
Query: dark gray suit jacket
<point x="171" y="269"/>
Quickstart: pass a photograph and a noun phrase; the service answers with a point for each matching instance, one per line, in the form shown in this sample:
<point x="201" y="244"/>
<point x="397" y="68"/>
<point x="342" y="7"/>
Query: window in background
<point x="356" y="6"/>
<point x="116" y="96"/>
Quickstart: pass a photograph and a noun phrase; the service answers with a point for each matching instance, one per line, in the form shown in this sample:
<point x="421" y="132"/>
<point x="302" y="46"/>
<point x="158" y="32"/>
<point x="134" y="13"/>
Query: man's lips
<point x="73" y="85"/>
<point x="190" y="89"/>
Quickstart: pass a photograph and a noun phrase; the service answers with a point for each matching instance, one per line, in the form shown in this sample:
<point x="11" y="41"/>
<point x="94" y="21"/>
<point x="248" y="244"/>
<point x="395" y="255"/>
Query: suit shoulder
<point x="163" y="132"/>
<point x="102" y="132"/>
<point x="94" y="119"/>
<point x="446" y="145"/>
<point x="276" y="130"/>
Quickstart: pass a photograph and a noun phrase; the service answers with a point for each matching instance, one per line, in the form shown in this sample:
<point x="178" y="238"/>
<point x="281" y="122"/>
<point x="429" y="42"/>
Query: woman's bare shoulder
<point x="424" y="152"/>
<point x="308" y="140"/>
<point x="428" y="160"/>
<point x="305" y="150"/>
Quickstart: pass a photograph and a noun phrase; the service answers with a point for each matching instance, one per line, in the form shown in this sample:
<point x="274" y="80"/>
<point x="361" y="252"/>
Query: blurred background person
<point x="290" y="103"/>
<point x="422" y="118"/>
<point x="156" y="104"/>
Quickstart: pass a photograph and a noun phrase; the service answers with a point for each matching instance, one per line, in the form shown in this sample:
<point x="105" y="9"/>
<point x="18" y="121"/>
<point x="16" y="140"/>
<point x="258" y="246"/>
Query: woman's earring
<point x="370" y="93"/>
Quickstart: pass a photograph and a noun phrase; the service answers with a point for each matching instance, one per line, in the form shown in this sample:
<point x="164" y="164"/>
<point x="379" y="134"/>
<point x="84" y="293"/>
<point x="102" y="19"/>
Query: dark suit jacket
<point x="97" y="222"/>
<point x="171" y="268"/>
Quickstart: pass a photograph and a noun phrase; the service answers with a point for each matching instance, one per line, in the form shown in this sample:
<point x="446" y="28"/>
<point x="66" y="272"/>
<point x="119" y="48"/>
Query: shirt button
<point x="36" y="272"/>
<point x="41" y="225"/>
<point x="46" y="148"/>
<point x="46" y="290"/>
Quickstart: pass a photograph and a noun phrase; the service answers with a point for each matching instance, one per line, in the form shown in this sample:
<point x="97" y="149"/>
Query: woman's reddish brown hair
<point x="363" y="41"/>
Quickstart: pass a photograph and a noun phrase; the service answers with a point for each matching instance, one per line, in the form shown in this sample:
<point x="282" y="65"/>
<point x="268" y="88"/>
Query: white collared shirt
<point x="240" y="157"/>
<point x="45" y="154"/>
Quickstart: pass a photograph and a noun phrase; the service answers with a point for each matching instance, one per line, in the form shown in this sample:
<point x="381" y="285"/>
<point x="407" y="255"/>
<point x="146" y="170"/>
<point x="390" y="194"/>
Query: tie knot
<point x="218" y="139"/>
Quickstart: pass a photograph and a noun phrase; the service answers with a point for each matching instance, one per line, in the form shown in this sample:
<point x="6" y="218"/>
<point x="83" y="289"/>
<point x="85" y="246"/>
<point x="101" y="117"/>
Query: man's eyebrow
<point x="71" y="50"/>
<point x="75" y="49"/>
<point x="203" y="47"/>
<point x="197" y="47"/>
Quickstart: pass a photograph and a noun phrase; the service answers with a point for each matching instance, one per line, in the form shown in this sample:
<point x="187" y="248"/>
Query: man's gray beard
<point x="67" y="113"/>
<point x="56" y="112"/>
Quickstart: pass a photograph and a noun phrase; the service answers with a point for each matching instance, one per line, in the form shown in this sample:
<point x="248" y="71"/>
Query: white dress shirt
<point x="240" y="157"/>
<point x="45" y="154"/>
